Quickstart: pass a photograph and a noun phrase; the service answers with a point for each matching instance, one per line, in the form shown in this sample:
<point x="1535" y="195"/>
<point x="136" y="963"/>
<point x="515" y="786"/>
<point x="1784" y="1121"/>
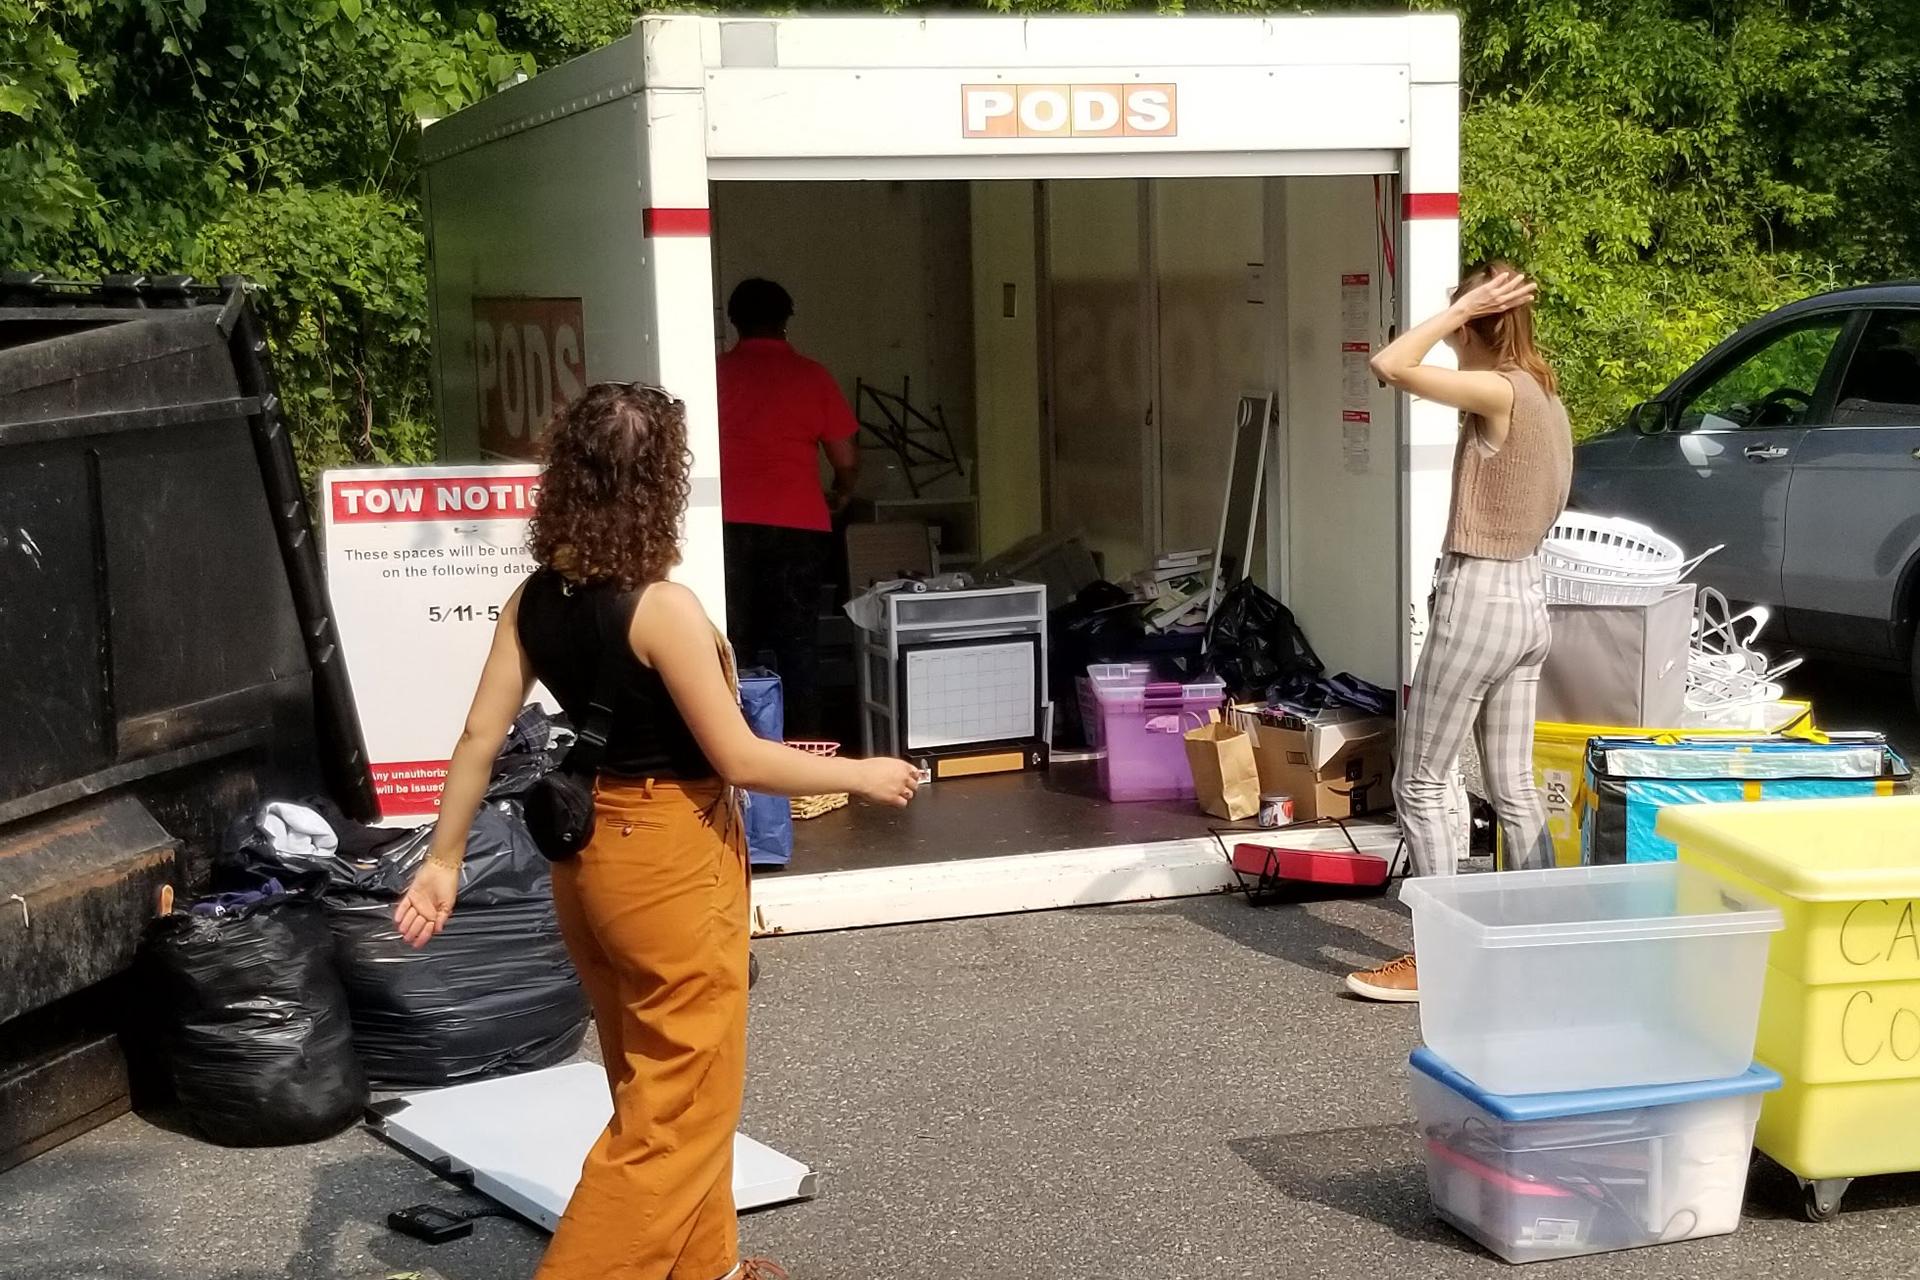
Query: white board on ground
<point x="521" y="1141"/>
<point x="420" y="561"/>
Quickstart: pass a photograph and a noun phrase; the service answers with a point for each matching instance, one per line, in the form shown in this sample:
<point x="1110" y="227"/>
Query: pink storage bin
<point x="1142" y="728"/>
<point x="1111" y="673"/>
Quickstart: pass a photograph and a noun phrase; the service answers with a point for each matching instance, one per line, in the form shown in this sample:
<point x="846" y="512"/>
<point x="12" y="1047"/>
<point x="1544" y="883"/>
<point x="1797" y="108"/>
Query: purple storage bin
<point x="1142" y="731"/>
<point x="1117" y="674"/>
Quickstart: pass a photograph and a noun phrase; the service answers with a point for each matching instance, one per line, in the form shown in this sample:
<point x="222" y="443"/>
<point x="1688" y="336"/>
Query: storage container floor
<point x="992" y="816"/>
<point x="1175" y="1090"/>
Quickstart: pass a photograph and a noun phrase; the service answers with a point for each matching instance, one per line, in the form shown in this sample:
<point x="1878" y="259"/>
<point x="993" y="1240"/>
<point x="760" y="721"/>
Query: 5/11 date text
<point x="463" y="613"/>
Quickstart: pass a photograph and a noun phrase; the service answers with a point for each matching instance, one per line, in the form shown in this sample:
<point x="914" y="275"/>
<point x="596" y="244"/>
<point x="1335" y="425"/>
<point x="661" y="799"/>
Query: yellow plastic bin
<point x="1840" y="1017"/>
<point x="1560" y="764"/>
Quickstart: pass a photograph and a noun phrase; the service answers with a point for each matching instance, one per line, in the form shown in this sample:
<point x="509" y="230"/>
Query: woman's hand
<point x="888" y="782"/>
<point x="428" y="902"/>
<point x="1501" y="292"/>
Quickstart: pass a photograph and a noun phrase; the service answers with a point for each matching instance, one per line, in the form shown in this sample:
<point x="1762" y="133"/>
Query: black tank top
<point x="566" y="630"/>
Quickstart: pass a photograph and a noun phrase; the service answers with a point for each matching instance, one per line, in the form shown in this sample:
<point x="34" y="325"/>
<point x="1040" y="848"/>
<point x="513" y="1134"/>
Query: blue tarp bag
<point x="769" y="818"/>
<point x="1629" y="780"/>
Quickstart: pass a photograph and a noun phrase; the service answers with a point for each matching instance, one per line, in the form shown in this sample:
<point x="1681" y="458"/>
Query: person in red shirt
<point x="779" y="411"/>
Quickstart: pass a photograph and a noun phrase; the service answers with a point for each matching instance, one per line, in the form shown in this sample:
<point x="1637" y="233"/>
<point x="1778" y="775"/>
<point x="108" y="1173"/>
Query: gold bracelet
<point x="451" y="864"/>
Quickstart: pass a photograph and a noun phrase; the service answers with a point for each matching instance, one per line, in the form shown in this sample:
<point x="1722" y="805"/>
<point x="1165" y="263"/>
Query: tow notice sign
<point x="420" y="562"/>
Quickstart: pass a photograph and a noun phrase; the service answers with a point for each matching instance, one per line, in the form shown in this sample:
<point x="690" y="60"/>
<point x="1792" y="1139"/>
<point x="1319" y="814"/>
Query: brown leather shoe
<point x="762" y="1269"/>
<point x="1395" y="982"/>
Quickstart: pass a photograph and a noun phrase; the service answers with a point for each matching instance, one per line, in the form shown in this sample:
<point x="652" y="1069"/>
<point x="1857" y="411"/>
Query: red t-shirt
<point x="776" y="409"/>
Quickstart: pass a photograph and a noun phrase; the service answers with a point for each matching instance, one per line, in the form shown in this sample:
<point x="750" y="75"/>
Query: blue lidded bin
<point x="1562" y="1175"/>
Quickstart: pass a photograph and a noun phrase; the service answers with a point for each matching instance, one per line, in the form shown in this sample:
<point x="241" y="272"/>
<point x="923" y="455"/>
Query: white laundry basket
<point x="1607" y="560"/>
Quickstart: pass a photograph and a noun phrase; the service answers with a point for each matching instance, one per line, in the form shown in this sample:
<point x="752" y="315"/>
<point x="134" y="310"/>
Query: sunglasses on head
<point x="647" y="388"/>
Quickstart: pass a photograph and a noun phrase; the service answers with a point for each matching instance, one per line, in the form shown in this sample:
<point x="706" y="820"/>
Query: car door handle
<point x="1766" y="452"/>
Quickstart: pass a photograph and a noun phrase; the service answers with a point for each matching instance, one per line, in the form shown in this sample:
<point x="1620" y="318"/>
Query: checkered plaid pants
<point x="1479" y="674"/>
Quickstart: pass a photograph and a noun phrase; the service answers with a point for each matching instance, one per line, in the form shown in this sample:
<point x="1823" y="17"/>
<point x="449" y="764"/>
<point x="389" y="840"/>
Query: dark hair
<point x="615" y="488"/>
<point x="1510" y="333"/>
<point x="759" y="308"/>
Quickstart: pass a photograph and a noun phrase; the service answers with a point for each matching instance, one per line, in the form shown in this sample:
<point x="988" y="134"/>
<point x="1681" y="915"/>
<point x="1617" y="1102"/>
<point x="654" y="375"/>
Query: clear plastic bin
<point x="1142" y="731"/>
<point x="1589" y="977"/>
<point x="1560" y="1175"/>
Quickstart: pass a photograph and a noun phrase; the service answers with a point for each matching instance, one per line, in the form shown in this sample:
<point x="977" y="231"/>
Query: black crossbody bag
<point x="559" y="807"/>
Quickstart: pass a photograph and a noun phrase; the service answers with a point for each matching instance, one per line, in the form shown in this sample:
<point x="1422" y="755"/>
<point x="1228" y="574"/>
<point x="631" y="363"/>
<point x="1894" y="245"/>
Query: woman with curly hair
<point x="654" y="908"/>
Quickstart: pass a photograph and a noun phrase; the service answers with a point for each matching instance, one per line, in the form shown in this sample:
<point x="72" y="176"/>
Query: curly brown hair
<point x="615" y="488"/>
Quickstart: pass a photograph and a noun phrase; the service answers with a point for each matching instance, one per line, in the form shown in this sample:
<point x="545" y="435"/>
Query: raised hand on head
<point x="1502" y="291"/>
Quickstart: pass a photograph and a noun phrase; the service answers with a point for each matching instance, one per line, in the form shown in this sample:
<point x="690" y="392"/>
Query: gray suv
<point x="1796" y="442"/>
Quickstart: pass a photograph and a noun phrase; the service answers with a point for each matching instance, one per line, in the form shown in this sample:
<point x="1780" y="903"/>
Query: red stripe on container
<point x="1416" y="205"/>
<point x="678" y="222"/>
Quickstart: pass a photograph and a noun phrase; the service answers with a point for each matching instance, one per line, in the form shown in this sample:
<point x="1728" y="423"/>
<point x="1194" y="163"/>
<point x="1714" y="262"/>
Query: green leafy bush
<point x="1668" y="168"/>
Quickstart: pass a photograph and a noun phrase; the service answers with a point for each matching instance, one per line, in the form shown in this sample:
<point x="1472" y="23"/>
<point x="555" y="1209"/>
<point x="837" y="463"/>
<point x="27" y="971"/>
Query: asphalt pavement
<point x="1177" y="1090"/>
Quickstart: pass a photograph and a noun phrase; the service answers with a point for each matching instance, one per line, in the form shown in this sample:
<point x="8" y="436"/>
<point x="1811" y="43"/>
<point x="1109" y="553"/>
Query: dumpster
<point x="1840" y="1015"/>
<point x="169" y="653"/>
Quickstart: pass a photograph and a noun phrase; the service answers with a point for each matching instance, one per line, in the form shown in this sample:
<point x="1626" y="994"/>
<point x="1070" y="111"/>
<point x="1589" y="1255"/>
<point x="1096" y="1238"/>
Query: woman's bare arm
<point x="505" y="682"/>
<point x="672" y="634"/>
<point x="1481" y="392"/>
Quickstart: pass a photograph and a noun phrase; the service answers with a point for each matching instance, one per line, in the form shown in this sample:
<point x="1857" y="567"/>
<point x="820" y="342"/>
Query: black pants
<point x="773" y="612"/>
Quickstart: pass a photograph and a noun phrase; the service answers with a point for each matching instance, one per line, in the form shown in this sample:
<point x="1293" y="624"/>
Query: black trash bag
<point x="257" y="1038"/>
<point x="247" y="853"/>
<point x="1254" y="643"/>
<point x="493" y="994"/>
<point x="1311" y="694"/>
<point x="529" y="753"/>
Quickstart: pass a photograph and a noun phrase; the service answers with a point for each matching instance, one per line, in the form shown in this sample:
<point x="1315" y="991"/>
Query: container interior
<point x="1055" y="356"/>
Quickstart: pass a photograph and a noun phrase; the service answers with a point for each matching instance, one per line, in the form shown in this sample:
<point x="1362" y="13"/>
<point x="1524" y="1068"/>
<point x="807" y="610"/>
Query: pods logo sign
<point x="529" y="357"/>
<point x="1069" y="111"/>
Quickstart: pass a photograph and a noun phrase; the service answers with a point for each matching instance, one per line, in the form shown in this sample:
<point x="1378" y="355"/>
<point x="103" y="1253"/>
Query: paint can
<point x="1276" y="810"/>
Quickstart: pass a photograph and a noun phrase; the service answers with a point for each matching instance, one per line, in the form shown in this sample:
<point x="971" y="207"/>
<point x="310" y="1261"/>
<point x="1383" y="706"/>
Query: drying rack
<point x="924" y="445"/>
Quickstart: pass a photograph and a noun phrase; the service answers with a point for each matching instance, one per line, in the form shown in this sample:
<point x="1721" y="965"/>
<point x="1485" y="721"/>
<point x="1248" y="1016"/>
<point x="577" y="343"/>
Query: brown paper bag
<point x="1226" y="781"/>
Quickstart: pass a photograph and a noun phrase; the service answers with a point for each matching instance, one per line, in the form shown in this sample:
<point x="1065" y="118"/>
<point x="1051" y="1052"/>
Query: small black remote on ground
<point x="433" y="1225"/>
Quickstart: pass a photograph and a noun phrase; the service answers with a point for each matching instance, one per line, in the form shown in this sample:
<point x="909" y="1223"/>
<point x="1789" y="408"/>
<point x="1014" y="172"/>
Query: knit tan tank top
<point x="1504" y="502"/>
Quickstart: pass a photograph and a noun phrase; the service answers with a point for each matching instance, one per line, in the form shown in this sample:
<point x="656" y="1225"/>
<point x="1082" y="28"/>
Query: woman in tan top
<point x="1479" y="671"/>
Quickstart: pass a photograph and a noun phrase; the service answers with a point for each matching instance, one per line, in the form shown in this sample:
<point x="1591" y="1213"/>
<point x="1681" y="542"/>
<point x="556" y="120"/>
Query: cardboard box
<point x="1338" y="766"/>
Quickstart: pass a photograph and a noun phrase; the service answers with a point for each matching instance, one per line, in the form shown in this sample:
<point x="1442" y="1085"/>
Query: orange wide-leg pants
<point x="654" y="911"/>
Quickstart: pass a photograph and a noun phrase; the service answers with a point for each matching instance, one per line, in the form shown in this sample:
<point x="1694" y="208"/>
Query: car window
<point x="1882" y="384"/>
<point x="1772" y="386"/>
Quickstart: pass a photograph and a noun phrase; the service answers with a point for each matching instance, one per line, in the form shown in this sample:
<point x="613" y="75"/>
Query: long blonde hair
<point x="1510" y="333"/>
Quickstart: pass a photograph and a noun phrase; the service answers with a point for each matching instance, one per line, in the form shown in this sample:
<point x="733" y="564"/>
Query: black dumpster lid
<point x="156" y="554"/>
